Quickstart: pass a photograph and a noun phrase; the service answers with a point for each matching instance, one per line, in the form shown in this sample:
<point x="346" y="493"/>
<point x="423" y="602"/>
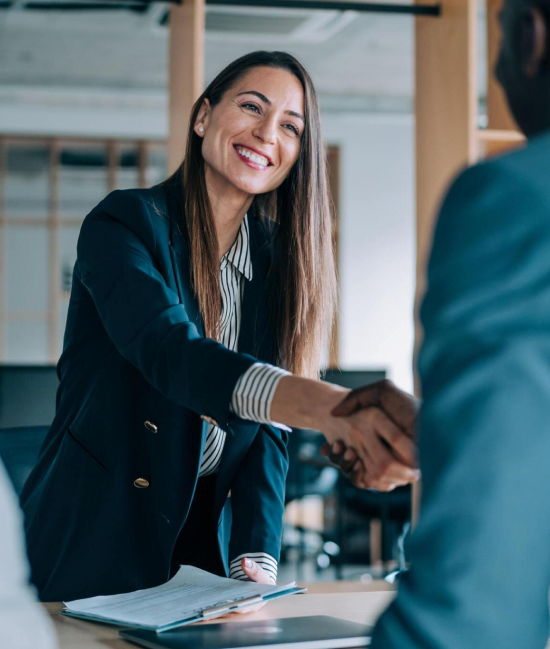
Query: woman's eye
<point x="251" y="106"/>
<point x="292" y="128"/>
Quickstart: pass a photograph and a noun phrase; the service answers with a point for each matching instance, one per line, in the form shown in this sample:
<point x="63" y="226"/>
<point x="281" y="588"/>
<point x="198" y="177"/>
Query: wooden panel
<point x="54" y="265"/>
<point x="143" y="153"/>
<point x="53" y="224"/>
<point x="112" y="162"/>
<point x="186" y="73"/>
<point x="333" y="157"/>
<point x="3" y="279"/>
<point x="446" y="126"/>
<point x="446" y="109"/>
<point x="493" y="142"/>
<point x="498" y="113"/>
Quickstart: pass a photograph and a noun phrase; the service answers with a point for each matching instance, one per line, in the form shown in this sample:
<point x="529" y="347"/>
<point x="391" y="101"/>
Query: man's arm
<point x="480" y="559"/>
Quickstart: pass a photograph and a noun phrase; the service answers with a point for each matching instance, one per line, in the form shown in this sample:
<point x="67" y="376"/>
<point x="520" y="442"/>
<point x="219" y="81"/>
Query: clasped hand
<point x="371" y="437"/>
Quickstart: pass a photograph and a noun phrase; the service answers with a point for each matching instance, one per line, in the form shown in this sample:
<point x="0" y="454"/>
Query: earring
<point x="201" y="129"/>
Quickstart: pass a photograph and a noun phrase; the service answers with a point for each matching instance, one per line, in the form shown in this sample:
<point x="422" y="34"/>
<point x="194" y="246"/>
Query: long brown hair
<point x="305" y="291"/>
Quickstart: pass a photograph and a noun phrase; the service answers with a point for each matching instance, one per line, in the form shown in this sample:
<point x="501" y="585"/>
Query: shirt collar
<point x="239" y="253"/>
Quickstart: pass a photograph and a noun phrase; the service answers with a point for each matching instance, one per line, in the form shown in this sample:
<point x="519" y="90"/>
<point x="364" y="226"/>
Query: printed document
<point x="191" y="595"/>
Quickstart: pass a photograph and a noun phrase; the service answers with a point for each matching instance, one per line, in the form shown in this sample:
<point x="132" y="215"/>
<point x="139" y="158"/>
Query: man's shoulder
<point x="524" y="169"/>
<point x="494" y="209"/>
<point x="511" y="187"/>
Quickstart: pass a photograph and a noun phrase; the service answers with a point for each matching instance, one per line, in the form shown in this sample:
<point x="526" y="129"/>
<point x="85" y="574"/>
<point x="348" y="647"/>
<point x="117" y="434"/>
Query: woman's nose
<point x="266" y="131"/>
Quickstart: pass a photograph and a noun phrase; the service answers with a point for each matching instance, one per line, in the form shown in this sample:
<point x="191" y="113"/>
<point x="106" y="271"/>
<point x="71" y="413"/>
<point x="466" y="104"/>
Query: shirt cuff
<point x="266" y="561"/>
<point x="254" y="393"/>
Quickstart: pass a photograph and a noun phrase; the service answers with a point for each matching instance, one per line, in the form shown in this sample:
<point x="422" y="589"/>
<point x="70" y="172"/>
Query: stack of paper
<point x="190" y="596"/>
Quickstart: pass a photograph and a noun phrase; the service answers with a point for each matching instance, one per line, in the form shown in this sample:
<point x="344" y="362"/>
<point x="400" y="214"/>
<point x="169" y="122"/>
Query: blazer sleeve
<point x="480" y="565"/>
<point x="143" y="317"/>
<point x="258" y="495"/>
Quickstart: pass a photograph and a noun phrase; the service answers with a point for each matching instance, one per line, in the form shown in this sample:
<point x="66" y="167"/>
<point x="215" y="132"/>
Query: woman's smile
<point x="252" y="158"/>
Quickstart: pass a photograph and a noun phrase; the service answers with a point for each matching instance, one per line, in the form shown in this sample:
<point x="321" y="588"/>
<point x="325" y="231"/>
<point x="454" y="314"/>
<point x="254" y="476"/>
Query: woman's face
<point x="251" y="138"/>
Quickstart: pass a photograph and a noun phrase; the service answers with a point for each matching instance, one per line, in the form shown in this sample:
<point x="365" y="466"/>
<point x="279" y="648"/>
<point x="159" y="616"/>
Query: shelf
<point x="495" y="142"/>
<point x="501" y="137"/>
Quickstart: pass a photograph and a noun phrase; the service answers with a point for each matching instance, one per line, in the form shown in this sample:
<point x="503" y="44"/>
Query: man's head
<point x="524" y="64"/>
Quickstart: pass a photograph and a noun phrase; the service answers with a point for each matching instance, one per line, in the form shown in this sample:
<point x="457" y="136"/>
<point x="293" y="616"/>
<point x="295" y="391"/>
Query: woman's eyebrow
<point x="268" y="102"/>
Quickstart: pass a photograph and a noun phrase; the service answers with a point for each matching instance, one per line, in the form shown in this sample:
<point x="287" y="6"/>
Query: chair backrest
<point x="27" y="395"/>
<point x="306" y="475"/>
<point x="19" y="448"/>
<point x="353" y="378"/>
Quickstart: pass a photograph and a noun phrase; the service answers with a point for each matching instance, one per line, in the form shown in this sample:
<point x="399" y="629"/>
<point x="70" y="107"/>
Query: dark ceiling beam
<point x="364" y="7"/>
<point x="141" y="5"/>
<point x="75" y="5"/>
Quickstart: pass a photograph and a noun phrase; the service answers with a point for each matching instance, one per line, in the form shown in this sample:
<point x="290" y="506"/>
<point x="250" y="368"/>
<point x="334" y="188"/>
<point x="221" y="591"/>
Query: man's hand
<point x="401" y="407"/>
<point x="390" y="458"/>
<point x="377" y="421"/>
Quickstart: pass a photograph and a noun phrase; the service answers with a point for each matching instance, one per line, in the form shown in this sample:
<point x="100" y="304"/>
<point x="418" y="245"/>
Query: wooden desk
<point x="351" y="601"/>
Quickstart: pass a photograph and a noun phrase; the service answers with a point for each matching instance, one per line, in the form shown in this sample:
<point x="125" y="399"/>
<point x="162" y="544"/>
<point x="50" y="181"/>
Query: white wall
<point x="377" y="241"/>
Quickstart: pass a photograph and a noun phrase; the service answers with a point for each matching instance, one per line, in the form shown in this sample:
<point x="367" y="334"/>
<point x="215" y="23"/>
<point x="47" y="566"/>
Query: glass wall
<point x="47" y="187"/>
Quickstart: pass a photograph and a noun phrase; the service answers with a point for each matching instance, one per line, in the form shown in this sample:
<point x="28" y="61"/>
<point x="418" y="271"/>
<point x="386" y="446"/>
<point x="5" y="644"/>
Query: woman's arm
<point x="149" y="326"/>
<point x="258" y="501"/>
<point x="118" y="260"/>
<point x="381" y="434"/>
<point x="386" y="450"/>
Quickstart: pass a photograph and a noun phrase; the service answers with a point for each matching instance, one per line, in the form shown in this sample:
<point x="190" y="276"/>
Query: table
<point x="351" y="601"/>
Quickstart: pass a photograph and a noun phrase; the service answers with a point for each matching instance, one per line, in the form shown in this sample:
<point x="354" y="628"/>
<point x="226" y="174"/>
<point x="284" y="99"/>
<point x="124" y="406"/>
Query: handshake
<point x="371" y="431"/>
<point x="379" y="451"/>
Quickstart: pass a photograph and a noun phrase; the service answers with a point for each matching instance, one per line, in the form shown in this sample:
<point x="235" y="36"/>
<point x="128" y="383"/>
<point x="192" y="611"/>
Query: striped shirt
<point x="255" y="389"/>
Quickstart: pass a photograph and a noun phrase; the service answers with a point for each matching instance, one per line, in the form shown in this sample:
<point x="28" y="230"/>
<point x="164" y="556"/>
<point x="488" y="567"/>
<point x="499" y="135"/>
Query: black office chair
<point x="392" y="509"/>
<point x="27" y="395"/>
<point x="19" y="448"/>
<point x="309" y="474"/>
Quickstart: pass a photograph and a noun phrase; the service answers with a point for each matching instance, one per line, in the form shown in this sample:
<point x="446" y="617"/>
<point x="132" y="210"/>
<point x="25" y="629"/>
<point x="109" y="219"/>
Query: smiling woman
<point x="261" y="146"/>
<point x="190" y="302"/>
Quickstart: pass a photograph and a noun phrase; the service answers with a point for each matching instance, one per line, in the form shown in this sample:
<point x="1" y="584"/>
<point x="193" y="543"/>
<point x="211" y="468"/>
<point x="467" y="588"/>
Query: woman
<point x="186" y="297"/>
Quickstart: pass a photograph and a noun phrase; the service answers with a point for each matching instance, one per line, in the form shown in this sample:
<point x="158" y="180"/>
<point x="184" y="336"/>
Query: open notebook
<point x="190" y="596"/>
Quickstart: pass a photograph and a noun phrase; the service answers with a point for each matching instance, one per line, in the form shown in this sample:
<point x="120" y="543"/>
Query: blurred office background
<point x="84" y="98"/>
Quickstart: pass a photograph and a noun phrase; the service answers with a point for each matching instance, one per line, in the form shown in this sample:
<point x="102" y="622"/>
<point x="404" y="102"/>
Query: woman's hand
<point x="347" y="461"/>
<point x="386" y="453"/>
<point x="256" y="573"/>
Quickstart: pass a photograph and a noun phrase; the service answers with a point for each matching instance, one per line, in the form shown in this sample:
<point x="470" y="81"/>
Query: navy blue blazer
<point x="135" y="352"/>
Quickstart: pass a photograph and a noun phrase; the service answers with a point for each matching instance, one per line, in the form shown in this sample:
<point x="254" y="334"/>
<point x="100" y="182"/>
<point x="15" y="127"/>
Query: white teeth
<point x="258" y="159"/>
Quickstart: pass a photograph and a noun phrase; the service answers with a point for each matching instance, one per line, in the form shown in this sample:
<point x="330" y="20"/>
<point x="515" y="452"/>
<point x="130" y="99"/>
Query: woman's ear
<point x="201" y="122"/>
<point x="533" y="42"/>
